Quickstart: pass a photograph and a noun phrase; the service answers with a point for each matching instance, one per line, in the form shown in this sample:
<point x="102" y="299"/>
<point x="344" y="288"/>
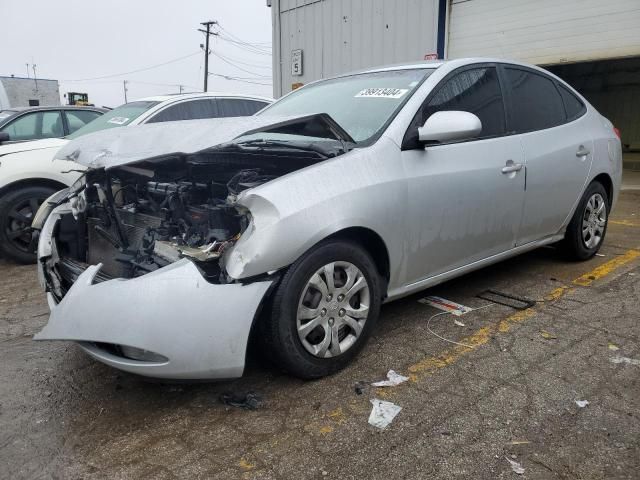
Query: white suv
<point x="29" y="175"/>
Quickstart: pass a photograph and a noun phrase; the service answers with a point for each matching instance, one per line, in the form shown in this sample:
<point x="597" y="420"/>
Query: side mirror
<point x="4" y="137"/>
<point x="449" y="126"/>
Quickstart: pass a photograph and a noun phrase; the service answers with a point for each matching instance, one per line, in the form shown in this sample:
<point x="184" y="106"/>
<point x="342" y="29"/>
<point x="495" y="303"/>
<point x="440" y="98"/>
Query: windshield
<point x="362" y="104"/>
<point x="118" y="117"/>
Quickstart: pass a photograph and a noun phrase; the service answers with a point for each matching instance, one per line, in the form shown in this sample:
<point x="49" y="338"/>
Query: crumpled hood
<point x="120" y="146"/>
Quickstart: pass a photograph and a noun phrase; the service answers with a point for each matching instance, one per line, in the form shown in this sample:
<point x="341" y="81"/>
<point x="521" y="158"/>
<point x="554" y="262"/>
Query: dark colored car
<point x="34" y="123"/>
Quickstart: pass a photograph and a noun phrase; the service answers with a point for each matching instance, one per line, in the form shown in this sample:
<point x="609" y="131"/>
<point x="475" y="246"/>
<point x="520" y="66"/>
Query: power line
<point x="239" y="67"/>
<point x="240" y="79"/>
<point x="244" y="46"/>
<point x="134" y="71"/>
<point x="140" y="82"/>
<point x="240" y="40"/>
<point x="254" y="65"/>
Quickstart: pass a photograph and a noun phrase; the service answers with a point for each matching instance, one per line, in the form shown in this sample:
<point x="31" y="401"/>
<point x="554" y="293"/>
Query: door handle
<point x="511" y="167"/>
<point x="582" y="152"/>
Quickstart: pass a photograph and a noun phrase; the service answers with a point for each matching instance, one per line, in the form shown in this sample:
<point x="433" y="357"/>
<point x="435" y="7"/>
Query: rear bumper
<point x="201" y="329"/>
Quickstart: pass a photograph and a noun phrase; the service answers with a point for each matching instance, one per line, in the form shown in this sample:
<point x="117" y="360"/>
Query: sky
<point x="71" y="40"/>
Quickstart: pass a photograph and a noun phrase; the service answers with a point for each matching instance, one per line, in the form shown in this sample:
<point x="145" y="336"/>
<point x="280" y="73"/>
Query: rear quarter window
<point x="572" y="104"/>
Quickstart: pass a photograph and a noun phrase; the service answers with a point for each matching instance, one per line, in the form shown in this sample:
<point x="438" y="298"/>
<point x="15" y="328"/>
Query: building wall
<point x="338" y="36"/>
<point x="18" y="91"/>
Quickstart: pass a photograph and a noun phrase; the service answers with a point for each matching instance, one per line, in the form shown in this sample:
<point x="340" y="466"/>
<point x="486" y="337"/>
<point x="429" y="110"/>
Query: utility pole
<point x="207" y="33"/>
<point x="124" y="87"/>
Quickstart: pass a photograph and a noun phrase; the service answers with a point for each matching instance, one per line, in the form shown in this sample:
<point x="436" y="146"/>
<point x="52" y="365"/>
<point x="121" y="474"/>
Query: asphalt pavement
<point x="506" y="392"/>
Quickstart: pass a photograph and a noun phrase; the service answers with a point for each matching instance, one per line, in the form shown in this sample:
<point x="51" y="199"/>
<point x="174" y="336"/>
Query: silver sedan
<point x="296" y="224"/>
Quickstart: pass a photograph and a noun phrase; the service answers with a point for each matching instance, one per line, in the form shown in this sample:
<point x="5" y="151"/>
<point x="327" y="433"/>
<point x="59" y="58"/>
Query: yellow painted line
<point x="626" y="223"/>
<point x="478" y="338"/>
<point x="606" y="268"/>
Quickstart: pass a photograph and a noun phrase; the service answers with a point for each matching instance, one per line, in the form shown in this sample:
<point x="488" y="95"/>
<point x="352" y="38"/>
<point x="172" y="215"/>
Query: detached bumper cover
<point x="201" y="328"/>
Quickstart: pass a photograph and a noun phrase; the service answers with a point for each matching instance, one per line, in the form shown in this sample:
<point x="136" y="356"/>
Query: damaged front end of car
<point x="133" y="257"/>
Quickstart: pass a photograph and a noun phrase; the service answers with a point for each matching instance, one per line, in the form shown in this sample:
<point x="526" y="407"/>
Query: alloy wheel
<point x="333" y="309"/>
<point x="18" y="226"/>
<point x="594" y="221"/>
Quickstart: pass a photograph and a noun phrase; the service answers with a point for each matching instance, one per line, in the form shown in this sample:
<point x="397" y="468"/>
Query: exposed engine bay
<point x="137" y="218"/>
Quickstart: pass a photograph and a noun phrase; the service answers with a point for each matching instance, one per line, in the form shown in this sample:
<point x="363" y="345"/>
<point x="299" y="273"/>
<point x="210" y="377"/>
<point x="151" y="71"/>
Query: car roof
<point x="453" y="63"/>
<point x="183" y="96"/>
<point x="59" y="107"/>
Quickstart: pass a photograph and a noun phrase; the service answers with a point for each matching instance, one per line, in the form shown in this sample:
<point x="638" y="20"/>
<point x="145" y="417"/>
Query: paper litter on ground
<point x="382" y="413"/>
<point x="619" y="359"/>
<point x="458" y="323"/>
<point x="393" y="379"/>
<point x="613" y="347"/>
<point x="582" y="403"/>
<point x="446" y="305"/>
<point x="515" y="466"/>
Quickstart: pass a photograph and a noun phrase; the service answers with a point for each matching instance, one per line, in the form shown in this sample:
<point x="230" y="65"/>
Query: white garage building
<point x="593" y="44"/>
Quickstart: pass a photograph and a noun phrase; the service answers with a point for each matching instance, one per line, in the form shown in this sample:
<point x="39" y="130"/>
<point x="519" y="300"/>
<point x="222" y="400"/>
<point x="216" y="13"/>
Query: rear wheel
<point x="586" y="231"/>
<point x="323" y="311"/>
<point x="17" y="209"/>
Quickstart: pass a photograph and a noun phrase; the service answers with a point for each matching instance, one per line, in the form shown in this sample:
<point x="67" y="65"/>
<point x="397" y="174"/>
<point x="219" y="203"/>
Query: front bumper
<point x="202" y="329"/>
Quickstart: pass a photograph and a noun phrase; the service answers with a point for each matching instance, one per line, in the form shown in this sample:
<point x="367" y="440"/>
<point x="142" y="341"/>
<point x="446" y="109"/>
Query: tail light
<point x="616" y="131"/>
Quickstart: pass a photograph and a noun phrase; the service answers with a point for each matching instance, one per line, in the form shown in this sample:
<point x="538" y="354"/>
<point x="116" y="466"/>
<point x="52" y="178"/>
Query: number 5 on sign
<point x="296" y="62"/>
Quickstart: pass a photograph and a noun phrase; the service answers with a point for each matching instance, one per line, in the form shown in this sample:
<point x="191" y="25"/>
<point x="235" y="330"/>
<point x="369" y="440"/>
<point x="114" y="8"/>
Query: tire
<point x="281" y="339"/>
<point x="582" y="246"/>
<point x="17" y="209"/>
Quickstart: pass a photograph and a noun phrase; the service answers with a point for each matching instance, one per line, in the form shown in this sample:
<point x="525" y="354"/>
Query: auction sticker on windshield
<point x="382" y="93"/>
<point x="118" y="120"/>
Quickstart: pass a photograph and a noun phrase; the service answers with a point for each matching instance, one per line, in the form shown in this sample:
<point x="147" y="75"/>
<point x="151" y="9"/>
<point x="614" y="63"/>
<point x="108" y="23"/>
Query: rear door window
<point x="189" y="110"/>
<point x="536" y="103"/>
<point x="51" y="125"/>
<point x="238" y="107"/>
<point x="79" y="118"/>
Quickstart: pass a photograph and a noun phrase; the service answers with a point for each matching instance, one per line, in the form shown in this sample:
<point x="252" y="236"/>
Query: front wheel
<point x="17" y="209"/>
<point x="588" y="226"/>
<point x="323" y="311"/>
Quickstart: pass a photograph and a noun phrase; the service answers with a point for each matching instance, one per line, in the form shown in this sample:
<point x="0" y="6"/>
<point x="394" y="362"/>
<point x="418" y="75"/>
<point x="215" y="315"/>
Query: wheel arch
<point x="366" y="238"/>
<point x="31" y="182"/>
<point x="605" y="180"/>
<point x="373" y="244"/>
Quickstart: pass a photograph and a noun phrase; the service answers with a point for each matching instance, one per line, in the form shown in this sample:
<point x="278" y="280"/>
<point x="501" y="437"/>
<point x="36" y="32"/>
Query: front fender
<point x="37" y="164"/>
<point x="292" y="214"/>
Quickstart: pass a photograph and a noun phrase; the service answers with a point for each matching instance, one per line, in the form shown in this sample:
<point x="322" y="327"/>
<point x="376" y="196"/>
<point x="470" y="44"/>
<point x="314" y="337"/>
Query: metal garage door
<point x="544" y="31"/>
